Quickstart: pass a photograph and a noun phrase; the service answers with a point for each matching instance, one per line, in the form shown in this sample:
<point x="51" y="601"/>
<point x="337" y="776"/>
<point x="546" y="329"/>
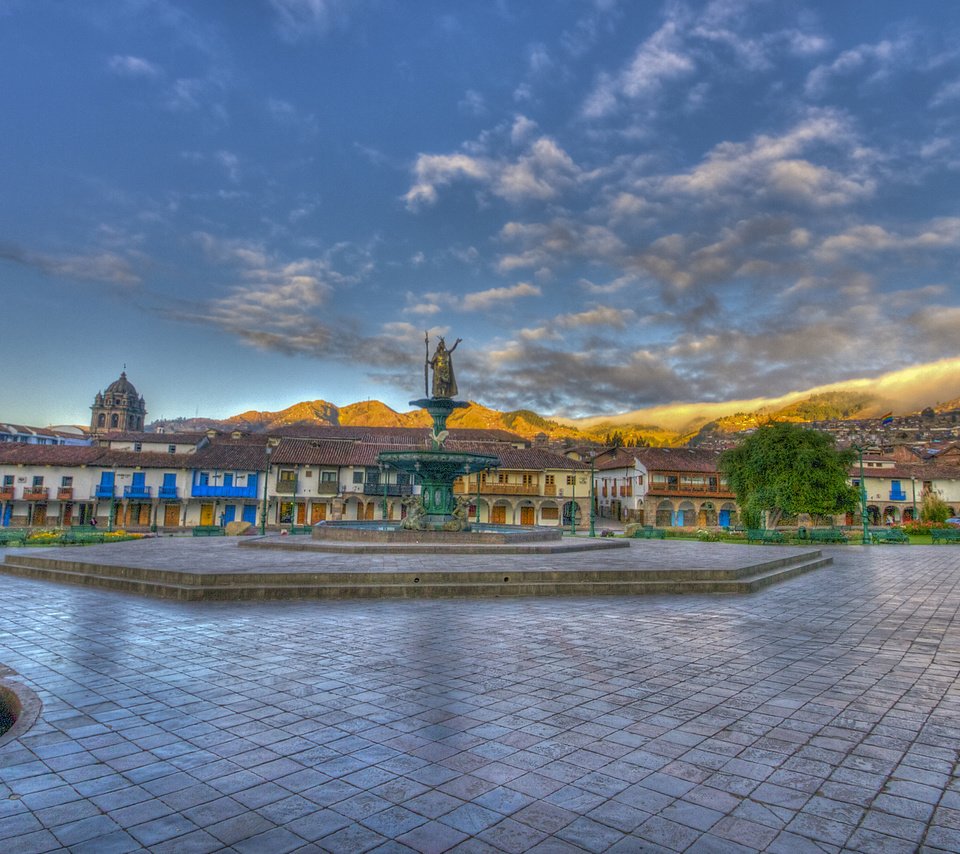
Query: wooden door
<point x="498" y="514"/>
<point x="144" y="520"/>
<point x="67" y="514"/>
<point x="171" y="516"/>
<point x="368" y="515"/>
<point x="302" y="514"/>
<point x="206" y="514"/>
<point x="527" y="516"/>
<point x="39" y="514"/>
<point x="318" y="512"/>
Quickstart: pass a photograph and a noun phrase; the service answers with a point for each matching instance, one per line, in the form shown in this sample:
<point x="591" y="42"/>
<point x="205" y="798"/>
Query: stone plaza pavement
<point x="821" y="714"/>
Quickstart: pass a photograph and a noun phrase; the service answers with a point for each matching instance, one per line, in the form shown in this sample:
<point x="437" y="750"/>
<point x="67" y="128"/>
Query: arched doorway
<point x="569" y="509"/>
<point x="686" y="514"/>
<point x="707" y="517"/>
<point x="665" y="514"/>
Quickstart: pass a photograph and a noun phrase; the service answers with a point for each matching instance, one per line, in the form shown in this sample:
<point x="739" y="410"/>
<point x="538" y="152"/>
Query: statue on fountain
<point x="444" y="380"/>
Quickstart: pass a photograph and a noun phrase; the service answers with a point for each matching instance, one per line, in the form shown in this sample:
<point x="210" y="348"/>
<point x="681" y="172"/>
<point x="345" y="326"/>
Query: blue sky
<point x="615" y="204"/>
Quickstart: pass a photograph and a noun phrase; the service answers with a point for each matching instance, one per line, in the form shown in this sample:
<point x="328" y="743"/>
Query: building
<point x="118" y="408"/>
<point x="143" y="481"/>
<point x="667" y="487"/>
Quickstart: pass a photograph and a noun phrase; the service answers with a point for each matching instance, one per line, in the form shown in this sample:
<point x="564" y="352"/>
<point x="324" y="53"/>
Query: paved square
<point x="822" y="714"/>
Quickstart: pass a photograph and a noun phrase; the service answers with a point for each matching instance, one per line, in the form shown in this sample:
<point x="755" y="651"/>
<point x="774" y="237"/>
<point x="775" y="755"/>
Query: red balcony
<point x="35" y="493"/>
<point x="65" y="493"/>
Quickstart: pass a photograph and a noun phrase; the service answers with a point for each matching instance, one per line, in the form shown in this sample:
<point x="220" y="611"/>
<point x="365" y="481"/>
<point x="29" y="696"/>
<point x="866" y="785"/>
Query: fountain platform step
<point x="563" y="574"/>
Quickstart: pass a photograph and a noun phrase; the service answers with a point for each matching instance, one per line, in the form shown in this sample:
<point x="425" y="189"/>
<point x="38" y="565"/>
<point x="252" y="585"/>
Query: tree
<point x="783" y="469"/>
<point x="933" y="508"/>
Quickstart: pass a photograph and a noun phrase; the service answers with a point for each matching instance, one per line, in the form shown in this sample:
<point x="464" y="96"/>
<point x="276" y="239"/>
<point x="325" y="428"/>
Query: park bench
<point x="889" y="535"/>
<point x="762" y="535"/>
<point x="12" y="536"/>
<point x="648" y="532"/>
<point x="208" y="531"/>
<point x="301" y="529"/>
<point x="945" y="535"/>
<point x="82" y="535"/>
<point x="826" y="535"/>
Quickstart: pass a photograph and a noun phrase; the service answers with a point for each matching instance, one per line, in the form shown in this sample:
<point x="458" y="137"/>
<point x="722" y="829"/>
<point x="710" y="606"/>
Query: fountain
<point x="436" y="509"/>
<point x="436" y="515"/>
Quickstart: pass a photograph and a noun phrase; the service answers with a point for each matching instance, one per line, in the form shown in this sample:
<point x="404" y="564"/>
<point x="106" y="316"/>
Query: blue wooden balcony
<point x="209" y="490"/>
<point x="137" y="491"/>
<point x="103" y="491"/>
<point x="169" y="492"/>
<point x="898" y="495"/>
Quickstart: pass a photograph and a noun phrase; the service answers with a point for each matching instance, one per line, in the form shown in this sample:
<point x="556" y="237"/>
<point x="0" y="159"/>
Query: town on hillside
<point x="120" y="471"/>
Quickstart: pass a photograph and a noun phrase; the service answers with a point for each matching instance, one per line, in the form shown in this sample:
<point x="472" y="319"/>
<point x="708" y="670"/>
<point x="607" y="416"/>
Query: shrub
<point x="933" y="508"/>
<point x="708" y="536"/>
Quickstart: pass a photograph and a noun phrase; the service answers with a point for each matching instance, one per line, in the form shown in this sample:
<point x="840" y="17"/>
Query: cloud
<point x="943" y="233"/>
<point x="483" y="300"/>
<point x="108" y="267"/>
<point x="300" y="19"/>
<point x="133" y="66"/>
<point x="473" y="103"/>
<point x="772" y="166"/>
<point x="602" y="315"/>
<point x="882" y="57"/>
<point x="541" y="173"/>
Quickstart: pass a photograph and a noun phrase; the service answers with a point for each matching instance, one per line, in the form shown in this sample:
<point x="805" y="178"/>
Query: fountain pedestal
<point x="437" y="468"/>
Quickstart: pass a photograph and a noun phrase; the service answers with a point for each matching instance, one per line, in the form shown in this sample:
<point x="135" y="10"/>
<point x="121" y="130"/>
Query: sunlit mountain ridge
<point x="912" y="389"/>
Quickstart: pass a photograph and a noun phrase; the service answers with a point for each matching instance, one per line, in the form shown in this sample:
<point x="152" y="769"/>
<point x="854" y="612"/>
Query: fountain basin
<point x="387" y="532"/>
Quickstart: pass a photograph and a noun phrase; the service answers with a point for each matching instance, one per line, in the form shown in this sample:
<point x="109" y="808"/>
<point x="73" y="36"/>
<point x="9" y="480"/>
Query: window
<point x="571" y="480"/>
<point x="204" y="478"/>
<point x="240" y="479"/>
<point x="358" y="475"/>
<point x="528" y="480"/>
<point x="66" y="481"/>
<point x="101" y="420"/>
<point x="308" y="473"/>
<point x="38" y="480"/>
<point x="114" y="420"/>
<point x="287" y="476"/>
<point x="501" y="477"/>
<point x="373" y="476"/>
<point x="548" y="479"/>
<point x="138" y="447"/>
<point x="171" y="449"/>
<point x="328" y="477"/>
<point x="8" y="480"/>
<point x="403" y="479"/>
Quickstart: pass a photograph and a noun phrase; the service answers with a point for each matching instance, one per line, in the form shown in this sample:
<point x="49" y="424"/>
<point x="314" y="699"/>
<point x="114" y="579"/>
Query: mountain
<point x="901" y="392"/>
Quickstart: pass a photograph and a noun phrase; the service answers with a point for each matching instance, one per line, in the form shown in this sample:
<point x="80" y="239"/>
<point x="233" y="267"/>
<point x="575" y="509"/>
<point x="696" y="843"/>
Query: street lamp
<point x="913" y="483"/>
<point x="593" y="530"/>
<point x="266" y="477"/>
<point x="383" y="478"/>
<point x="863" y="497"/>
<point x="478" y="495"/>
<point x="573" y="506"/>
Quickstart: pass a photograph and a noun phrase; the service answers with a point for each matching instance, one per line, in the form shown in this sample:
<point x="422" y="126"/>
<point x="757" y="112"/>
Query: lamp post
<point x="383" y="478"/>
<point x="593" y="529"/>
<point x="863" y="497"/>
<point x="478" y="496"/>
<point x="913" y="483"/>
<point x="573" y="506"/>
<point x="266" y="477"/>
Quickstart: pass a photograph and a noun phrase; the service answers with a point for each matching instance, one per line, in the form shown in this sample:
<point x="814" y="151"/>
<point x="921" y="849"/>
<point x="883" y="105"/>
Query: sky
<point x="615" y="205"/>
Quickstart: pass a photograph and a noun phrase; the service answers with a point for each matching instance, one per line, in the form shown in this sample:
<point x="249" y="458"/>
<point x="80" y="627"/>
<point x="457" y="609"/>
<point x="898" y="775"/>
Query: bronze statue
<point x="444" y="381"/>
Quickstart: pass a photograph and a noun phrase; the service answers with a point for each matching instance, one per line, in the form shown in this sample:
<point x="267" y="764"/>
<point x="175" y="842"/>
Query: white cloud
<point x="542" y="172"/>
<point x="941" y="233"/>
<point x="483" y="300"/>
<point x="297" y="19"/>
<point x="602" y="315"/>
<point x="473" y="103"/>
<point x="133" y="66"/>
<point x="880" y="57"/>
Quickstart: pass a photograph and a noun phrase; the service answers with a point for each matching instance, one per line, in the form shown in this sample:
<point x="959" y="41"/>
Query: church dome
<point x="122" y="386"/>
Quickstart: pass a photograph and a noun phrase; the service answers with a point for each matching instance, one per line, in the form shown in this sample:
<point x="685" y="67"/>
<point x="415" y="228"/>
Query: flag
<point x="887" y="419"/>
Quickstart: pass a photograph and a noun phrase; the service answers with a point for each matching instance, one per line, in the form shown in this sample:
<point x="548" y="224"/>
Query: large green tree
<point x="783" y="470"/>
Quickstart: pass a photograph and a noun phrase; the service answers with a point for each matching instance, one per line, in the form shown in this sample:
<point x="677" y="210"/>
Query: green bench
<point x="82" y="535"/>
<point x="945" y="535"/>
<point x="208" y="531"/>
<point x="648" y="532"/>
<point x="889" y="535"/>
<point x="12" y="536"/>
<point x="762" y="535"/>
<point x="826" y="535"/>
<point x="301" y="529"/>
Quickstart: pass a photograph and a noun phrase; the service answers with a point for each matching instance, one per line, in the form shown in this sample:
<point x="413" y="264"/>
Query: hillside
<point x="688" y="425"/>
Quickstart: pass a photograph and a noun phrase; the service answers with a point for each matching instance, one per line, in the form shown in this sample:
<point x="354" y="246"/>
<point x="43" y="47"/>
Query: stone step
<point x="362" y="585"/>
